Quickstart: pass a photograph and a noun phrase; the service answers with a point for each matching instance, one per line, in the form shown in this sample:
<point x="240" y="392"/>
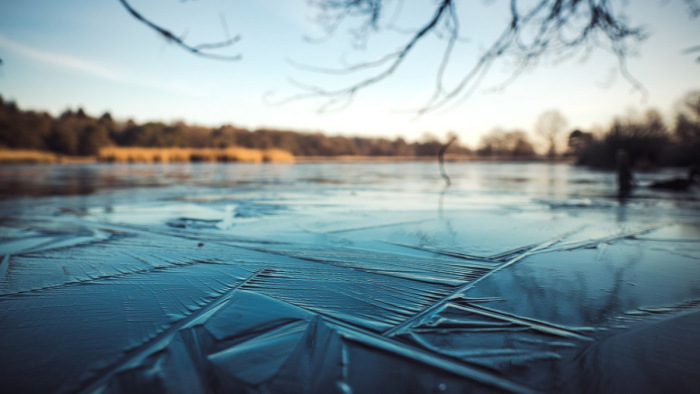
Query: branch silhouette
<point x="557" y="28"/>
<point x="534" y="31"/>
<point x="199" y="50"/>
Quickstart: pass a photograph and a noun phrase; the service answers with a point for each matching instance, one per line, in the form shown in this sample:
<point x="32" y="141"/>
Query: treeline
<point x="76" y="133"/>
<point x="648" y="141"/>
<point x="513" y="144"/>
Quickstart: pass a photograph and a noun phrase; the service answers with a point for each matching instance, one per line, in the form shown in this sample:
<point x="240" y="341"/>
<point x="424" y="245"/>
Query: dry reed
<point x="28" y="156"/>
<point x="174" y="155"/>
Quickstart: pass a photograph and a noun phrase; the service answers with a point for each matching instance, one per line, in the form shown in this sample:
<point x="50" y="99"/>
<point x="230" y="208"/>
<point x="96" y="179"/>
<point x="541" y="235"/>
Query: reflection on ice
<point x="344" y="278"/>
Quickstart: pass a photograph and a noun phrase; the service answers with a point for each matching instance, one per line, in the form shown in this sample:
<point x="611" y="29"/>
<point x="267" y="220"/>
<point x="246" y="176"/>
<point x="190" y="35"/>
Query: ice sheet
<point x="344" y="278"/>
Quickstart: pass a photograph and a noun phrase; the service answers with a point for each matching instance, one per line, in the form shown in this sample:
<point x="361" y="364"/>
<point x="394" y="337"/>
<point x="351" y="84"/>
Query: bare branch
<point x="537" y="30"/>
<point x="692" y="50"/>
<point x="693" y="8"/>
<point x="199" y="50"/>
<point x="347" y="69"/>
<point x="556" y="28"/>
<point x="394" y="59"/>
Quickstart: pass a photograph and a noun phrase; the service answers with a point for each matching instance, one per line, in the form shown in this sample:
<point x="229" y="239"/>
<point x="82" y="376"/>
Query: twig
<point x="198" y="50"/>
<point x="560" y="28"/>
<point x="441" y="160"/>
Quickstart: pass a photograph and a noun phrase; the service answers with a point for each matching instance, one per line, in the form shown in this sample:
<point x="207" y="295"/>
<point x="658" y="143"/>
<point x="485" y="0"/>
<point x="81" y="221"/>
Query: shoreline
<point x="448" y="158"/>
<point x="197" y="155"/>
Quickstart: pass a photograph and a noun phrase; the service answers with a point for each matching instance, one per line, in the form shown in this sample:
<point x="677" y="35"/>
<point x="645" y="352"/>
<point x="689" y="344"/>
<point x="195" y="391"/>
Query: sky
<point x="59" y="55"/>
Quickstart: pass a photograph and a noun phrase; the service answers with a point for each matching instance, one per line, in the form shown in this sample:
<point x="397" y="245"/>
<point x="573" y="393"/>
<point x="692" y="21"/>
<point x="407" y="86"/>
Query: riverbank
<point x="448" y="158"/>
<point x="236" y="155"/>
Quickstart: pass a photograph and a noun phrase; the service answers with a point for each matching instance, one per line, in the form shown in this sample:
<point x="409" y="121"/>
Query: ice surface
<point x="346" y="278"/>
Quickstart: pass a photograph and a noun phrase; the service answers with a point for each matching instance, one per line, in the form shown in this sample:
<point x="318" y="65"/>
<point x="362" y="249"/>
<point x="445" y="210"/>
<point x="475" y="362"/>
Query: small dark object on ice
<point x="625" y="178"/>
<point x="200" y="244"/>
<point x="677" y="184"/>
<point x="441" y="160"/>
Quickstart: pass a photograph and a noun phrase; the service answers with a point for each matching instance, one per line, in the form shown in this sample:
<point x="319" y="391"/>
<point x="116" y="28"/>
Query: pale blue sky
<point x="92" y="54"/>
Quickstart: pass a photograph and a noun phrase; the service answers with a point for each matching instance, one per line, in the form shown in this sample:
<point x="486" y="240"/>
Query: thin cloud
<point x="94" y="69"/>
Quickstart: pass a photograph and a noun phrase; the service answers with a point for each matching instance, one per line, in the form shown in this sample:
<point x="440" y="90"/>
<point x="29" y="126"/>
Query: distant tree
<point x="499" y="142"/>
<point x="578" y="140"/>
<point x="493" y="143"/>
<point x="686" y="132"/>
<point x="344" y="146"/>
<point x="175" y="135"/>
<point x="63" y="137"/>
<point x="198" y="136"/>
<point x="520" y="144"/>
<point x="108" y="123"/>
<point x="549" y="126"/>
<point x="23" y="130"/>
<point x="37" y="128"/>
<point x="402" y="148"/>
<point x="77" y="133"/>
<point x="286" y="140"/>
<point x="106" y="119"/>
<point x="149" y="134"/>
<point x="222" y="137"/>
<point x="364" y="146"/>
<point x="645" y="139"/>
<point x="427" y="146"/>
<point x="264" y="139"/>
<point x="68" y="113"/>
<point x="92" y="138"/>
<point x="687" y="127"/>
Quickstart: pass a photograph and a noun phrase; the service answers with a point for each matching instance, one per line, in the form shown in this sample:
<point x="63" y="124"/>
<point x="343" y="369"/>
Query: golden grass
<point x="277" y="156"/>
<point x="174" y="155"/>
<point x="28" y="156"/>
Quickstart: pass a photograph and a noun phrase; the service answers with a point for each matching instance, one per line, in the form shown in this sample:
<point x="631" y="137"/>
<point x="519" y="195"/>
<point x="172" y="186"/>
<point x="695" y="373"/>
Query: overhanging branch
<point x="199" y="50"/>
<point x="559" y="28"/>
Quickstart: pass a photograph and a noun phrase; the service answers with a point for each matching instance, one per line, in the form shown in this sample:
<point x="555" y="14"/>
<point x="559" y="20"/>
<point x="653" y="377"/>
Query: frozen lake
<point x="346" y="277"/>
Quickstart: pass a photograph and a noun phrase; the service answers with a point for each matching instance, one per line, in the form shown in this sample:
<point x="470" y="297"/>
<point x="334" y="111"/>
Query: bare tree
<point x="535" y="29"/>
<point x="549" y="126"/>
